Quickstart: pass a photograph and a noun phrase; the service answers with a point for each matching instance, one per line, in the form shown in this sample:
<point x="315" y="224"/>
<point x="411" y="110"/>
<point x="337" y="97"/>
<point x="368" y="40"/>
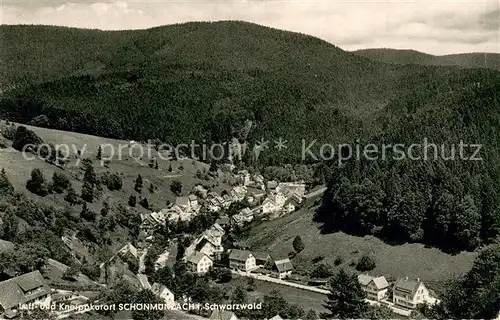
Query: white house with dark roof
<point x="283" y="267"/>
<point x="193" y="201"/>
<point x="409" y="293"/>
<point x="199" y="263"/>
<point x="163" y="293"/>
<point x="29" y="288"/>
<point x="241" y="260"/>
<point x="375" y="287"/>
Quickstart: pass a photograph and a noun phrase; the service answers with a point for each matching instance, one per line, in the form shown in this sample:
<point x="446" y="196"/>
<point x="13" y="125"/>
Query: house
<point x="162" y="259"/>
<point x="273" y="203"/>
<point x="238" y="220"/>
<point x="128" y="253"/>
<point x="210" y="241"/>
<point x="283" y="267"/>
<point x="183" y="203"/>
<point x="271" y="185"/>
<point x="223" y="221"/>
<point x="206" y="247"/>
<point x="409" y="293"/>
<point x="290" y="205"/>
<point x="200" y="263"/>
<point x="297" y="189"/>
<point x="29" y="288"/>
<point x="254" y="194"/>
<point x="241" y="260"/>
<point x="149" y="223"/>
<point x="163" y="293"/>
<point x="213" y="205"/>
<point x="220" y="314"/>
<point x="375" y="287"/>
<point x="276" y="317"/>
<point x="247" y="214"/>
<point x="193" y="201"/>
<point x="261" y="258"/>
<point x="245" y="177"/>
<point x="238" y="193"/>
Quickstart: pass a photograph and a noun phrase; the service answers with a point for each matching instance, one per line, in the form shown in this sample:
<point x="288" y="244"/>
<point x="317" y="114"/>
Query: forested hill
<point x="199" y="81"/>
<point x="466" y="60"/>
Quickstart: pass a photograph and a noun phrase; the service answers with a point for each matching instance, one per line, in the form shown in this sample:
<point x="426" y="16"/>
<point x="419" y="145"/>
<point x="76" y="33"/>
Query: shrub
<point x="176" y="187"/>
<point x="298" y="244"/>
<point x="322" y="270"/>
<point x="59" y="182"/>
<point x="71" y="196"/>
<point x="365" y="263"/>
<point x="338" y="261"/>
<point x="318" y="258"/>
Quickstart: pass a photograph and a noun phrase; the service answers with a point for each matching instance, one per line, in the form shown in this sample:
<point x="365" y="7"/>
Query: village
<point x="264" y="200"/>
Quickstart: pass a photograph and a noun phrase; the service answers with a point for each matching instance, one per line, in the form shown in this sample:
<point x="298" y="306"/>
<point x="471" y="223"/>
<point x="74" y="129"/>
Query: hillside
<point x="202" y="81"/>
<point x="413" y="260"/>
<point x="465" y="60"/>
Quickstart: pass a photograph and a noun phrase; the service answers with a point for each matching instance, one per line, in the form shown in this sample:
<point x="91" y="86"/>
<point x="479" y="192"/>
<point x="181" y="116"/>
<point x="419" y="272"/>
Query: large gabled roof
<point x="283" y="265"/>
<point x="239" y="255"/>
<point x="196" y="257"/>
<point x="406" y="285"/>
<point x="13" y="291"/>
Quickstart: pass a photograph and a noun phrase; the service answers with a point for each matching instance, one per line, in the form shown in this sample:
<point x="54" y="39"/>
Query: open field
<point x="413" y="260"/>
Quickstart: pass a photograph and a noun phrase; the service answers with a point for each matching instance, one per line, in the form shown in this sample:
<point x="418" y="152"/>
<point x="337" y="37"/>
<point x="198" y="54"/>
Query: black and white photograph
<point x="249" y="159"/>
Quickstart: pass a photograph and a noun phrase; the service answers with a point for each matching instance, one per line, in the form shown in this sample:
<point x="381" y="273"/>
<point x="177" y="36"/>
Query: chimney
<point x="418" y="279"/>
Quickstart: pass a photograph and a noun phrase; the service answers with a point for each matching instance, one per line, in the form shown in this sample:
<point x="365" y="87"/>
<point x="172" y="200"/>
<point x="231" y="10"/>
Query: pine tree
<point x="176" y="187"/>
<point x="105" y="209"/>
<point x="132" y="200"/>
<point x="346" y="299"/>
<point x="6" y="187"/>
<point x="87" y="192"/>
<point x="36" y="183"/>
<point x="144" y="203"/>
<point x="138" y="184"/>
<point x="59" y="182"/>
<point x="87" y="214"/>
<point x="71" y="196"/>
<point x="99" y="153"/>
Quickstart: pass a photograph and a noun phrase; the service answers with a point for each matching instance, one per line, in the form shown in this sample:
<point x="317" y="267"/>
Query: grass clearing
<point x="414" y="260"/>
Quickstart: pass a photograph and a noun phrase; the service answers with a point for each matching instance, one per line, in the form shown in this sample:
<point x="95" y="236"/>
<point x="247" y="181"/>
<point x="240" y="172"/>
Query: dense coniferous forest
<point x="202" y="81"/>
<point x="466" y="60"/>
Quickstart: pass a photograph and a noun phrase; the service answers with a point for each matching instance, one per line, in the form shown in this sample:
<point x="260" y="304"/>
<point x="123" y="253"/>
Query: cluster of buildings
<point x="406" y="293"/>
<point x="266" y="200"/>
<point x="279" y="199"/>
<point x="205" y="249"/>
<point x="247" y="261"/>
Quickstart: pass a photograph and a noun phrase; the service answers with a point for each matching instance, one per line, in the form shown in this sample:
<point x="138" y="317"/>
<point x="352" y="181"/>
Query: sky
<point x="436" y="27"/>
